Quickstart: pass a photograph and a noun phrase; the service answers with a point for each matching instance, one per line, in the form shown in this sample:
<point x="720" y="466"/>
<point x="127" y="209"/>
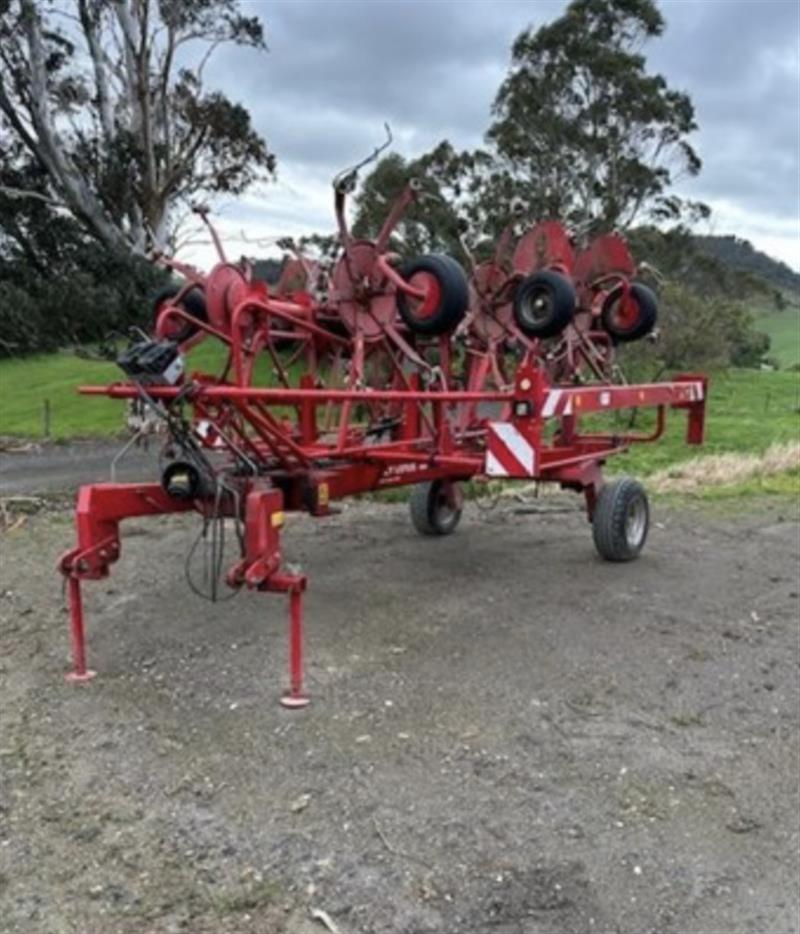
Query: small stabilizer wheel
<point x="193" y="302"/>
<point x="630" y="317"/>
<point x="621" y="520"/>
<point x="447" y="294"/>
<point x="436" y="507"/>
<point x="544" y="304"/>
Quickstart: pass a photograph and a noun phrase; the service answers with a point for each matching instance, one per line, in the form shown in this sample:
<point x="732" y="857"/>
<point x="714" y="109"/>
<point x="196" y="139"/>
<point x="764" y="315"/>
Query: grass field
<point x="26" y="384"/>
<point x="748" y="410"/>
<point x="783" y="330"/>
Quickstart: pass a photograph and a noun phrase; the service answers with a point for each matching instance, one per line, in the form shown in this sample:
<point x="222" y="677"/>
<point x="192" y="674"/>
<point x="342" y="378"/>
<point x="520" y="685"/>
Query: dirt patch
<point x="507" y="735"/>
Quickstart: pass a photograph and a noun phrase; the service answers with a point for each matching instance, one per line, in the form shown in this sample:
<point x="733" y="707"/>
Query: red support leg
<point x="295" y="697"/>
<point x="99" y="510"/>
<point x="590" y="495"/>
<point x="259" y="569"/>
<point x="79" y="672"/>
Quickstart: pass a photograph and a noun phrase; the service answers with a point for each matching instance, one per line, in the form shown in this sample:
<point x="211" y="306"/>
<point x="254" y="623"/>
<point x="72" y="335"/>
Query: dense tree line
<point x="106" y="138"/>
<point x="59" y="286"/>
<point x="582" y="132"/>
<point x="105" y="141"/>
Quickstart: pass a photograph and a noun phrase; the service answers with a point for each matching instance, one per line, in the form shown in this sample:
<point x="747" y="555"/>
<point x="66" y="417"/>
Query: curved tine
<point x="580" y="230"/>
<point x="654" y="271"/>
<point x="203" y="210"/>
<point x="464" y="243"/>
<point x="345" y="179"/>
<point x="345" y="182"/>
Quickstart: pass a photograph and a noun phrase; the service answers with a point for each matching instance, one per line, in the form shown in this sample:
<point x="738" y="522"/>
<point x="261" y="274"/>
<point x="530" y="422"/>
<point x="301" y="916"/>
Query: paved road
<point x="64" y="467"/>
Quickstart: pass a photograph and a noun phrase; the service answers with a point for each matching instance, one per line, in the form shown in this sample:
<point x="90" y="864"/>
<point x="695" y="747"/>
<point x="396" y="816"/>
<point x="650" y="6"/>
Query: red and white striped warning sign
<point x="558" y="402"/>
<point x="508" y="452"/>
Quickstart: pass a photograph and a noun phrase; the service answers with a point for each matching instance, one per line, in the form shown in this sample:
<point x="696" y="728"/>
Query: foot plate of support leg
<point x="79" y="677"/>
<point x="295" y="701"/>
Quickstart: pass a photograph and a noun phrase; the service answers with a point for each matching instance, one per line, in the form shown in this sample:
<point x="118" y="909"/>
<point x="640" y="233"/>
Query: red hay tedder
<point x="387" y="373"/>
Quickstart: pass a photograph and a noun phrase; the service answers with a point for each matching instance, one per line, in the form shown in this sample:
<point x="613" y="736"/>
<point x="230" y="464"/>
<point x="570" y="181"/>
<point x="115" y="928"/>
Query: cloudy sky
<point x="337" y="70"/>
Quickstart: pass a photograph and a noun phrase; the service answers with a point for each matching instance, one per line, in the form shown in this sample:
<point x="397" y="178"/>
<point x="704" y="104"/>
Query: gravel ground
<point x="507" y="735"/>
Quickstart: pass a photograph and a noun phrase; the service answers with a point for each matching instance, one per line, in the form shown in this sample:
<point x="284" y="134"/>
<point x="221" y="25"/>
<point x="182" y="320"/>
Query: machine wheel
<point x="621" y="520"/>
<point x="435" y="507"/>
<point x="633" y="319"/>
<point x="544" y="304"/>
<point x="193" y="302"/>
<point x="447" y="298"/>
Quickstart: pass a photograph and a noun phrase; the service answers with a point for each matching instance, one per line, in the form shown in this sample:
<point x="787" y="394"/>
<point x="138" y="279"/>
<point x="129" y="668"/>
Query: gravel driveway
<point x="507" y="735"/>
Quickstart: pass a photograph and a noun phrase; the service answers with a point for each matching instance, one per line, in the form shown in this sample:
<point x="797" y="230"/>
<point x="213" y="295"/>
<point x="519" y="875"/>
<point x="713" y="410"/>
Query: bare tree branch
<point x="12" y="192"/>
<point x="47" y="147"/>
<point x="120" y="159"/>
<point x="89" y="27"/>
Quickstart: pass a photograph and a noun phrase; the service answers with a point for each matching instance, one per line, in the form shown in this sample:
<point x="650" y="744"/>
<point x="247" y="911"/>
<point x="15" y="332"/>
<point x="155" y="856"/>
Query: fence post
<point x="46" y="418"/>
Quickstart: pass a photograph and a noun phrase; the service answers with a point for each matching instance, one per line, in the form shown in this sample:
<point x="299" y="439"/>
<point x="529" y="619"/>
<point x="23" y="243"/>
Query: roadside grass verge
<point x="718" y="478"/>
<point x="777" y="470"/>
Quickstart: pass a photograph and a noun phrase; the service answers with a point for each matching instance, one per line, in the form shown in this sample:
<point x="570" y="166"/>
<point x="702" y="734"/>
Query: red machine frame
<point x="308" y="472"/>
<point x="328" y="434"/>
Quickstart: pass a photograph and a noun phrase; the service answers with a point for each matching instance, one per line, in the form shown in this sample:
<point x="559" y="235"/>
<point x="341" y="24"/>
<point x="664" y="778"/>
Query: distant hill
<point x="741" y="254"/>
<point x="718" y="266"/>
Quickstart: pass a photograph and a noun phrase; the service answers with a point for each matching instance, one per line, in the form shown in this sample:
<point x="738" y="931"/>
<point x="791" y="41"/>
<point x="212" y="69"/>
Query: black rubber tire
<point x="193" y="302"/>
<point x="621" y="520"/>
<point x="431" y="514"/>
<point x="453" y="299"/>
<point x="647" y="305"/>
<point x="544" y="304"/>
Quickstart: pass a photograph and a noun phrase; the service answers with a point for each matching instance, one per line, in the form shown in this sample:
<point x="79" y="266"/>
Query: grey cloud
<point x="430" y="68"/>
<point x="739" y="62"/>
<point x="714" y="43"/>
<point x="337" y="70"/>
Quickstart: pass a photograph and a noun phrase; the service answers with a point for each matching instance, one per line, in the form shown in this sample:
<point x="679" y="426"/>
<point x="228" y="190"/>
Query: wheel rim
<point x="624" y="313"/>
<point x="445" y="513"/>
<point x="537" y="308"/>
<point x="427" y="307"/>
<point x="636" y="522"/>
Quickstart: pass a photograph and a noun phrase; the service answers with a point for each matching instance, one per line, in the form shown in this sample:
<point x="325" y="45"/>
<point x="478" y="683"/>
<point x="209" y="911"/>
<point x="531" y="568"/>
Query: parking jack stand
<point x="296" y="697"/>
<point x="80" y="673"/>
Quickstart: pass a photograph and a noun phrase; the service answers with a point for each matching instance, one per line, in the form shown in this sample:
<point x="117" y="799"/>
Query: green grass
<point x="748" y="410"/>
<point x="729" y="499"/>
<point x="25" y="385"/>
<point x="783" y="330"/>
